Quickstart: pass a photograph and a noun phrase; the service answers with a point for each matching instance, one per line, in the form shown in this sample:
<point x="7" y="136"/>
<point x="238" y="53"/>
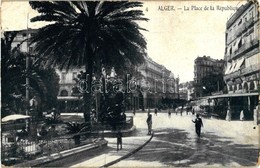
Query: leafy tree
<point x="95" y="35"/>
<point x="212" y="83"/>
<point x="43" y="82"/>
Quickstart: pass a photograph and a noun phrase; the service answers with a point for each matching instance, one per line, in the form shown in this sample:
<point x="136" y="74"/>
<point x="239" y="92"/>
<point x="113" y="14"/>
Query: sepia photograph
<point x="150" y="83"/>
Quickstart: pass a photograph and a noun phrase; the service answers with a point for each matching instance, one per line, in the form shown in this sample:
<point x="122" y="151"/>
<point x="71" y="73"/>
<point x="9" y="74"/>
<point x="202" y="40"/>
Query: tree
<point x="89" y="34"/>
<point x="43" y="82"/>
<point x="212" y="83"/>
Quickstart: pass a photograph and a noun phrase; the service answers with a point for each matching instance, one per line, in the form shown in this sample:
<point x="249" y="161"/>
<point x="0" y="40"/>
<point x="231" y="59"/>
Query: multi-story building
<point x="204" y="66"/>
<point x="242" y="50"/>
<point x="160" y="80"/>
<point x="186" y="90"/>
<point x="161" y="83"/>
<point x="242" y="58"/>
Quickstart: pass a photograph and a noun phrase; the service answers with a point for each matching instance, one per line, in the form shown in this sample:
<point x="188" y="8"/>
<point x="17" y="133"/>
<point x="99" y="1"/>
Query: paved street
<point x="175" y="144"/>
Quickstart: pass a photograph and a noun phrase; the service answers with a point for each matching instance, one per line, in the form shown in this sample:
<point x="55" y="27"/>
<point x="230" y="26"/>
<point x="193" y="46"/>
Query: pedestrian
<point x="169" y="113"/>
<point x="155" y="111"/>
<point x="149" y="123"/>
<point x="119" y="140"/>
<point x="242" y="117"/>
<point x="198" y="125"/>
<point x="255" y="115"/>
<point x="228" y="116"/>
<point x="193" y="111"/>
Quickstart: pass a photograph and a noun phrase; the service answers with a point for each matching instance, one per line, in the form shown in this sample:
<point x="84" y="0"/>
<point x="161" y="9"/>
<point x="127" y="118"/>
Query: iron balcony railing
<point x="242" y="49"/>
<point x="243" y="71"/>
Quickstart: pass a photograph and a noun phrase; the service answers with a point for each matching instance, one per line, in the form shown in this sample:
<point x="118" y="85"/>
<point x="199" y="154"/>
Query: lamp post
<point x="27" y="81"/>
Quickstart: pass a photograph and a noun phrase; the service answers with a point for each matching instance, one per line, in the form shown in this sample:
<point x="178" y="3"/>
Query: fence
<point x="17" y="150"/>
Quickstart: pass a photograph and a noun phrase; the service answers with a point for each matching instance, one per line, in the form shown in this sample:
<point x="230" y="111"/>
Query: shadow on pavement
<point x="90" y="155"/>
<point x="176" y="147"/>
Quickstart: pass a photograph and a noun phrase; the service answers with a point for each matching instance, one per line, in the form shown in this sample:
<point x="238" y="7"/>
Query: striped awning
<point x="233" y="95"/>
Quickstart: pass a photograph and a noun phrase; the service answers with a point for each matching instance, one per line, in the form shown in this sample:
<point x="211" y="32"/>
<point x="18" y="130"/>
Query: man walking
<point x="198" y="124"/>
<point x="119" y="140"/>
<point x="149" y="123"/>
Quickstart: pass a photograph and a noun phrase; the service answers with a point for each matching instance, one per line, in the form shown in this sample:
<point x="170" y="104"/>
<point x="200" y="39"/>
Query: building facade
<point x="161" y="83"/>
<point x="242" y="60"/>
<point x="205" y="66"/>
<point x="242" y="50"/>
<point x="186" y="90"/>
<point x="157" y="81"/>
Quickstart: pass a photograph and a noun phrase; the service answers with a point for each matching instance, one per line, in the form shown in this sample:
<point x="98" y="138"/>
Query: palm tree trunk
<point x="87" y="96"/>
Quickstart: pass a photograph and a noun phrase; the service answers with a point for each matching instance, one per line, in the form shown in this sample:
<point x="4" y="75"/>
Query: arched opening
<point x="64" y="93"/>
<point x="230" y="88"/>
<point x="235" y="87"/>
<point x="240" y="86"/>
<point x="252" y="85"/>
<point x="245" y="87"/>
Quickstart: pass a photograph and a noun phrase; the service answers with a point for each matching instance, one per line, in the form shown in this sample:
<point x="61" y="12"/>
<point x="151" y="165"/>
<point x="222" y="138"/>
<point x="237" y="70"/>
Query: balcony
<point x="241" y="50"/>
<point x="250" y="69"/>
<point x="232" y="75"/>
<point x="242" y="72"/>
<point x="242" y="28"/>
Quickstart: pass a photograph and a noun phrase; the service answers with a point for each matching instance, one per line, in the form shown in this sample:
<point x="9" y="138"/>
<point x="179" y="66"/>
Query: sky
<point x="178" y="31"/>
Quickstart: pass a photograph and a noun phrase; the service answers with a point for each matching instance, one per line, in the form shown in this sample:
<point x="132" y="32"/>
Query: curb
<point x="129" y="154"/>
<point x="125" y="133"/>
<point x="61" y="155"/>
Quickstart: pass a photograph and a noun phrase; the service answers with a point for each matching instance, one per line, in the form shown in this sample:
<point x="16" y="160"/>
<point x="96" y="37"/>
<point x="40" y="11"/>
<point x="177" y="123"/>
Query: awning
<point x="227" y="68"/>
<point x="238" y="64"/>
<point x="234" y="95"/>
<point x="236" y="46"/>
<point x="230" y="68"/>
<point x="69" y="98"/>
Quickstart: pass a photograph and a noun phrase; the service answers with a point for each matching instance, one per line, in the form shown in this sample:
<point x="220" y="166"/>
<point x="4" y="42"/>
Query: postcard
<point x="130" y="83"/>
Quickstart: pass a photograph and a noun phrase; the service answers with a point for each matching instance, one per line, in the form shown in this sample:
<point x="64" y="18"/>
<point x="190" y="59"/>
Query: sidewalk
<point x="130" y="145"/>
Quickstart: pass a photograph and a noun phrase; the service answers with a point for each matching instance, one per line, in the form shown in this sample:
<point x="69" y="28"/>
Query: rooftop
<point x="238" y="13"/>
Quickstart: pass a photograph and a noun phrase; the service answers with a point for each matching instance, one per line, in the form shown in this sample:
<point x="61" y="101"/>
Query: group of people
<point x="198" y="123"/>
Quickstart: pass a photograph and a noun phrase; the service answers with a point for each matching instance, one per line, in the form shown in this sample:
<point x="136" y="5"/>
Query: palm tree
<point x="89" y="34"/>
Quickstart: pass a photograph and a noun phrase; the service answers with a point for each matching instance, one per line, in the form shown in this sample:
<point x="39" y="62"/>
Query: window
<point x="24" y="34"/>
<point x="240" y="86"/>
<point x="251" y="13"/>
<point x="252" y="85"/>
<point x="74" y="75"/>
<point x="251" y="31"/>
<point x="245" y="18"/>
<point x="240" y="44"/>
<point x="230" y="88"/>
<point x="240" y="21"/>
<point x="235" y="87"/>
<point x="64" y="93"/>
<point x="30" y="50"/>
<point x="63" y="76"/>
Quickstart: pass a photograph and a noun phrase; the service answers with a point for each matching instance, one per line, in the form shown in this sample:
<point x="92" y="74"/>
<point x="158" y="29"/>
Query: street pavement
<point x="222" y="143"/>
<point x="110" y="153"/>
